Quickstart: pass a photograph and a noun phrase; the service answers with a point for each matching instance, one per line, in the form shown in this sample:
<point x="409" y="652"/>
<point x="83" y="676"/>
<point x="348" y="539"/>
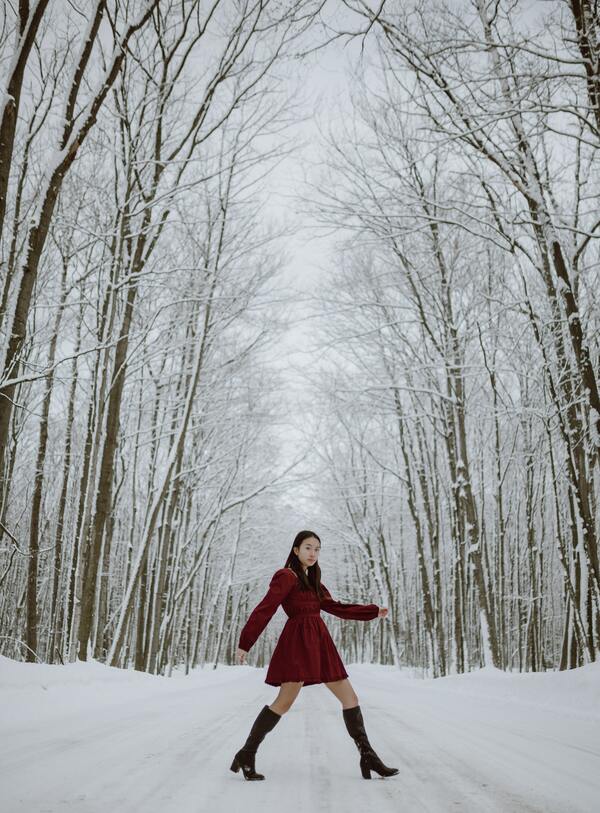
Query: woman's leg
<point x="288" y="692"/>
<point x="267" y="719"/>
<point x="344" y="692"/>
<point x="355" y="726"/>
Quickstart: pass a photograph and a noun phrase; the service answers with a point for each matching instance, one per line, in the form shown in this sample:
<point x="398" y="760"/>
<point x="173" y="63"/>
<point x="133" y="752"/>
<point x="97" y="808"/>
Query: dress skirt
<point x="305" y="652"/>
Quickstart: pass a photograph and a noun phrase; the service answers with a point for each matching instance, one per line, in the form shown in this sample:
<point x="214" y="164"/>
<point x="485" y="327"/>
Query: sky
<point x="321" y="86"/>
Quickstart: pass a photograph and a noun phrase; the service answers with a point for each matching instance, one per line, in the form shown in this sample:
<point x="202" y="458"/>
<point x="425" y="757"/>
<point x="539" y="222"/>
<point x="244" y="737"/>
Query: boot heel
<point x="365" y="770"/>
<point x="235" y="766"/>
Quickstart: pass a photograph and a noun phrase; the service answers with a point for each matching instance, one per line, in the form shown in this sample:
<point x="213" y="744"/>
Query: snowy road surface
<point x="87" y="738"/>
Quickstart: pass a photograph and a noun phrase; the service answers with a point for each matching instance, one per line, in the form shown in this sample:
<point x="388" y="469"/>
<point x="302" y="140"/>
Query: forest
<point x="442" y="431"/>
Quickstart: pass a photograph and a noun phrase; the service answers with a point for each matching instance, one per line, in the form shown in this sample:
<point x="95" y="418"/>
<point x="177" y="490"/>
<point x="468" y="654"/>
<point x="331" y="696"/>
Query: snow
<point x="86" y="737"/>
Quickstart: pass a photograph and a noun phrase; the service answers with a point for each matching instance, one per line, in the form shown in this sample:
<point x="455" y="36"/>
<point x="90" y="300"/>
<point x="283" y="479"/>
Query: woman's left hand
<point x="383" y="611"/>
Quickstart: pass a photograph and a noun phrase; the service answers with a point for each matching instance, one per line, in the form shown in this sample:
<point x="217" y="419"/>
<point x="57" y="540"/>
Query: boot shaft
<point x="267" y="720"/>
<point x="355" y="726"/>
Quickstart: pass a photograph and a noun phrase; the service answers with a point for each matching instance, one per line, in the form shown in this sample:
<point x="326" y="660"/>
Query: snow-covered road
<point x="85" y="738"/>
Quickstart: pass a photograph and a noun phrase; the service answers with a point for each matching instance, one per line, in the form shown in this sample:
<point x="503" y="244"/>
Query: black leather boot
<point x="244" y="759"/>
<point x="369" y="761"/>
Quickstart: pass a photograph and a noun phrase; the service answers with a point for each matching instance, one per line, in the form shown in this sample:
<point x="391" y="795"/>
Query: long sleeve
<point x="280" y="585"/>
<point x="356" y="612"/>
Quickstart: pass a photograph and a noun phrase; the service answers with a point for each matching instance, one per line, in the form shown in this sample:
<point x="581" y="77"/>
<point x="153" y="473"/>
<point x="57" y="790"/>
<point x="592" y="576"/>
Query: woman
<point x="305" y="653"/>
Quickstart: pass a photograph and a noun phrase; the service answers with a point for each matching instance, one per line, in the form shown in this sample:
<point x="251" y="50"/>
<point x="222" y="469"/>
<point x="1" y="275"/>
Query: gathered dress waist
<point x="305" y="613"/>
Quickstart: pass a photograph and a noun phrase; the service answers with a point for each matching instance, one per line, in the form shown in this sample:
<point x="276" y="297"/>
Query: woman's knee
<point x="344" y="692"/>
<point x="286" y="697"/>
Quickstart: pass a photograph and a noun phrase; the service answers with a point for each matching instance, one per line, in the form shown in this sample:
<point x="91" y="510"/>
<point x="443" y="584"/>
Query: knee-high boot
<point x="244" y="759"/>
<point x="368" y="758"/>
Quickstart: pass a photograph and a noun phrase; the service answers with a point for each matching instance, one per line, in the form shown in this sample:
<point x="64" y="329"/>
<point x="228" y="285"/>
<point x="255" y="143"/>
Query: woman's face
<point x="308" y="552"/>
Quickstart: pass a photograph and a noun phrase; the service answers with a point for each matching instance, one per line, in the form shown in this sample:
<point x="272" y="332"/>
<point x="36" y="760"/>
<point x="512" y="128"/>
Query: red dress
<point x="305" y="650"/>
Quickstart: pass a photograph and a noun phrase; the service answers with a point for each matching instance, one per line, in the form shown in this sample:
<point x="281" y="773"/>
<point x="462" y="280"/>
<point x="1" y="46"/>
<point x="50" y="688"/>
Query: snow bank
<point x="39" y="691"/>
<point x="576" y="691"/>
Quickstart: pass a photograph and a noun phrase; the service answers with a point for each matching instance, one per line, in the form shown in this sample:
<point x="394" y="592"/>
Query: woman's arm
<point x="356" y="612"/>
<point x="280" y="585"/>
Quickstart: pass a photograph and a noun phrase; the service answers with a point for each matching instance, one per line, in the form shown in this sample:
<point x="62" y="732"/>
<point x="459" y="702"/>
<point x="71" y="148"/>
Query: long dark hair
<point x="312" y="579"/>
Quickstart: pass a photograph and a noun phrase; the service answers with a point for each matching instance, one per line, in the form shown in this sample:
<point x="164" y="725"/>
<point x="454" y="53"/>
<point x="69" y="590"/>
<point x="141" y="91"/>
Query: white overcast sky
<point x="322" y="82"/>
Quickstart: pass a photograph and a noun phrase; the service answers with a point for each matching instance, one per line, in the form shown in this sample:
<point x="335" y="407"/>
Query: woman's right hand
<point x="240" y="655"/>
